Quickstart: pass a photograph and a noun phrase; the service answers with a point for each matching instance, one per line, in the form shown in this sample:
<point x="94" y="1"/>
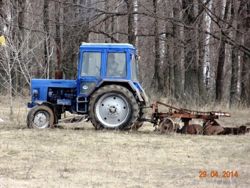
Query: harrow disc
<point x="167" y="125"/>
<point x="212" y="127"/>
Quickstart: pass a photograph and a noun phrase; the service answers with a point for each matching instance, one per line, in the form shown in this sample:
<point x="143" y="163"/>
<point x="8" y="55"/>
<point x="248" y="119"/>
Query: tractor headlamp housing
<point x="35" y="93"/>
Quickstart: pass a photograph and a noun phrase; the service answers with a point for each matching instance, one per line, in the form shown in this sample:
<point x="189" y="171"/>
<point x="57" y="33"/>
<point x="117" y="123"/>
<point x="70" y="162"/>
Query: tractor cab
<point x="99" y="63"/>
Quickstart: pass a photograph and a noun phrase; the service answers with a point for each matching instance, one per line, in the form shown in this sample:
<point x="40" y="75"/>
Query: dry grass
<point x="77" y="156"/>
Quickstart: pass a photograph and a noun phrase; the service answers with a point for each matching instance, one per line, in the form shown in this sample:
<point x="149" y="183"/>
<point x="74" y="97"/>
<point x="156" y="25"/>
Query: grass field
<point x="75" y="155"/>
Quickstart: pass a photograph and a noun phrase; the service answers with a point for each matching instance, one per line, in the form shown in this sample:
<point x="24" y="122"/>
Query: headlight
<point x="35" y="93"/>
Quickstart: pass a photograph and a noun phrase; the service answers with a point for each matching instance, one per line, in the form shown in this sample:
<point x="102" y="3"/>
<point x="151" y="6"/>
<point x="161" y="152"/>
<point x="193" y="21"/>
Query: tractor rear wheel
<point x="113" y="107"/>
<point x="40" y="117"/>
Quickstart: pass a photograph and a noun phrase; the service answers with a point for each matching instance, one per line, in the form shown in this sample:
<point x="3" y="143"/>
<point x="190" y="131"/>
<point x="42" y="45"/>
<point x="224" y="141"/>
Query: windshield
<point x="134" y="65"/>
<point x="91" y="64"/>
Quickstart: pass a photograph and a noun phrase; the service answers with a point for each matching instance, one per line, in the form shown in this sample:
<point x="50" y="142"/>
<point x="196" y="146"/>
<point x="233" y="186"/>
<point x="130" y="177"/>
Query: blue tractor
<point x="107" y="90"/>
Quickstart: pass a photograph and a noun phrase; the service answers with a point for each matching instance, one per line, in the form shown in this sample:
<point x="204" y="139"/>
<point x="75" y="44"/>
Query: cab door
<point x="89" y="71"/>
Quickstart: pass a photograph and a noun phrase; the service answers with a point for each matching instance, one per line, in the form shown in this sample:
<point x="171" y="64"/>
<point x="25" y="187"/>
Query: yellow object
<point x="2" y="41"/>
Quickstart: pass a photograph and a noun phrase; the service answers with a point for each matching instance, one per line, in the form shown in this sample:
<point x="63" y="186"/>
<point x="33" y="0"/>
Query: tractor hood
<point x="39" y="87"/>
<point x="53" y="83"/>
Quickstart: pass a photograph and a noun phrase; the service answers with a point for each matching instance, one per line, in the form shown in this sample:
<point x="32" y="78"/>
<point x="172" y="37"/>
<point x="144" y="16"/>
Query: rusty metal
<point x="191" y="129"/>
<point x="184" y="114"/>
<point x="212" y="127"/>
<point x="167" y="125"/>
<point x="236" y="130"/>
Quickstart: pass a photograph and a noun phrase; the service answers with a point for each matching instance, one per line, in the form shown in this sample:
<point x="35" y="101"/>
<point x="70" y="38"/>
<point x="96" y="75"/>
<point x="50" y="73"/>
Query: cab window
<point x="91" y="64"/>
<point x="134" y="66"/>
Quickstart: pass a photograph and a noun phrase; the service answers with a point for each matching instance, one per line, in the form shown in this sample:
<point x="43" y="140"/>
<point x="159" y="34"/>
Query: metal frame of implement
<point x="184" y="114"/>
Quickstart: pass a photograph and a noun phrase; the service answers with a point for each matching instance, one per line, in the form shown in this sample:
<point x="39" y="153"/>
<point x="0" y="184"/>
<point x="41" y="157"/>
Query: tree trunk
<point x="131" y="29"/>
<point x="245" y="78"/>
<point x="177" y="51"/>
<point x="201" y="51"/>
<point x="19" y="69"/>
<point x="47" y="37"/>
<point x="221" y="60"/>
<point x="235" y="63"/>
<point x="58" y="35"/>
<point x="190" y="36"/>
<point x="234" y="76"/>
<point x="107" y="21"/>
<point x="157" y="82"/>
<point x="168" y="64"/>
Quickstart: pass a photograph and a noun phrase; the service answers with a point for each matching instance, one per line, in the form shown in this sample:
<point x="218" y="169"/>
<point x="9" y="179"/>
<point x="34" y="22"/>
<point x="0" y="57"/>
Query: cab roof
<point x="107" y="45"/>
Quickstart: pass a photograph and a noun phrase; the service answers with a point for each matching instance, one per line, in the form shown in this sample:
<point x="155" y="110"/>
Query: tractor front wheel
<point x="113" y="107"/>
<point x="40" y="117"/>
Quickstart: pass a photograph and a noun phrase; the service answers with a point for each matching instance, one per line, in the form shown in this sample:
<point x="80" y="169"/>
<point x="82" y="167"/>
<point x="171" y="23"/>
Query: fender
<point x="129" y="83"/>
<point x="39" y="102"/>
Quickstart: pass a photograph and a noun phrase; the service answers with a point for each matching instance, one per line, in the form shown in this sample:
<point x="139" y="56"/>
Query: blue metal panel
<point x="138" y="85"/>
<point x="134" y="85"/>
<point x="43" y="84"/>
<point x="128" y="65"/>
<point x="54" y="83"/>
<point x="86" y="80"/>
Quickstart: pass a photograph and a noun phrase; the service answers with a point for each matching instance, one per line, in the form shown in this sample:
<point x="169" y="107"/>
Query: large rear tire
<point x="113" y="107"/>
<point x="40" y="117"/>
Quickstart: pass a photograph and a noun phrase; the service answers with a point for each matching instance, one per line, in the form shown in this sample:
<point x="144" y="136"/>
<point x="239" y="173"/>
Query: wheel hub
<point x="41" y="120"/>
<point x="112" y="110"/>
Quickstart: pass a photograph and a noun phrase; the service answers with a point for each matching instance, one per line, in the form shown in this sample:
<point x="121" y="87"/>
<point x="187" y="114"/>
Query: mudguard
<point x="140" y="93"/>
